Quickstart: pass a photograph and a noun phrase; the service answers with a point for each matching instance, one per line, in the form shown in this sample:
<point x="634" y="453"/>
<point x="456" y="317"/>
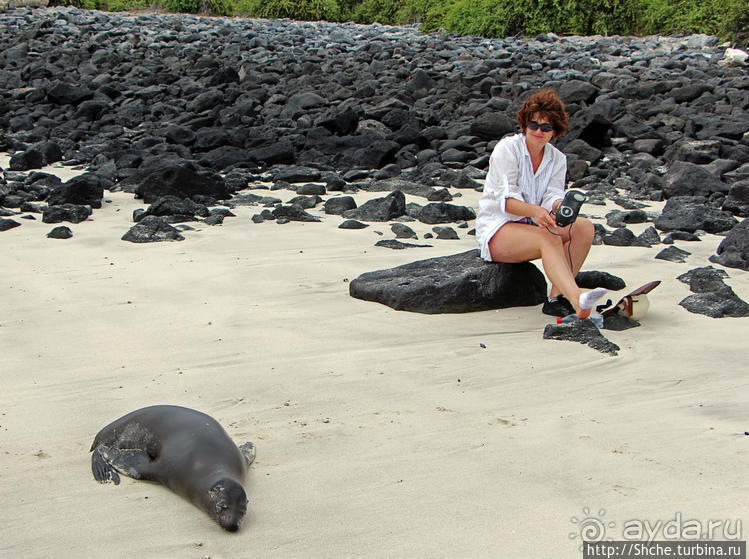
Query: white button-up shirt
<point x="511" y="176"/>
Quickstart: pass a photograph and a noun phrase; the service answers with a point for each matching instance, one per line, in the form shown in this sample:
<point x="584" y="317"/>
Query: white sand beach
<point x="379" y="433"/>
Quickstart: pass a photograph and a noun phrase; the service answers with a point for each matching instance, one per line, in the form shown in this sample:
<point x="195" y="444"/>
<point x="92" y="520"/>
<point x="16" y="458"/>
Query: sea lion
<point x="183" y="449"/>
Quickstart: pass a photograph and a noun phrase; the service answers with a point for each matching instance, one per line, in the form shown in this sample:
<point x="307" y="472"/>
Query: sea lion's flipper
<point x="102" y="470"/>
<point x="248" y="451"/>
<point x="106" y="461"/>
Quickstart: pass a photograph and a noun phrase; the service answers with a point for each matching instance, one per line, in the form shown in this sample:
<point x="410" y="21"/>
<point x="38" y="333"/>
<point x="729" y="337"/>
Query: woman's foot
<point x="558" y="306"/>
<point x="588" y="300"/>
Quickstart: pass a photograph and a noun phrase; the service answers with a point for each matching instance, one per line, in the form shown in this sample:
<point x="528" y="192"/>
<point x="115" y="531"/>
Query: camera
<point x="569" y="208"/>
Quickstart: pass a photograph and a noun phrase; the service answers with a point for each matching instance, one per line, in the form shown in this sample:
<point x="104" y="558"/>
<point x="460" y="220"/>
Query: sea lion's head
<point x="229" y="504"/>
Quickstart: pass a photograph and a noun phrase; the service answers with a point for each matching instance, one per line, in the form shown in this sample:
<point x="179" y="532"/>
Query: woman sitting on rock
<point x="524" y="185"/>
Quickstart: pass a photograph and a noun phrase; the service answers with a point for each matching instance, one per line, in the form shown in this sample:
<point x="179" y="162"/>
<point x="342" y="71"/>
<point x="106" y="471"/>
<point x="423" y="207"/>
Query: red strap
<point x="627" y="302"/>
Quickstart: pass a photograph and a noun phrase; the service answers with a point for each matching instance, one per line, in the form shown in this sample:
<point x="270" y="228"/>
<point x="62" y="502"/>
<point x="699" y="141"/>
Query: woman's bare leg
<point x="577" y="239"/>
<point x="518" y="242"/>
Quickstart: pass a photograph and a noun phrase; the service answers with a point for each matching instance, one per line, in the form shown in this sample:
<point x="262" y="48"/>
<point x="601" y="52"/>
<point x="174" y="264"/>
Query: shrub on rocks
<point x="219" y="7"/>
<point x="307" y="10"/>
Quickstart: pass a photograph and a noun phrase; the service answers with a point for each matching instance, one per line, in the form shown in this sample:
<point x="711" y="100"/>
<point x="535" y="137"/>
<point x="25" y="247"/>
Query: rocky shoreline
<point x="188" y="113"/>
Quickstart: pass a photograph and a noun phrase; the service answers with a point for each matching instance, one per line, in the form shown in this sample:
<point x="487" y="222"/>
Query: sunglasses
<point x="545" y="127"/>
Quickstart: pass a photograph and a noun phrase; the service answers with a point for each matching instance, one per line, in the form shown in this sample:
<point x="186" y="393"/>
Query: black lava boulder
<point x="152" y="229"/>
<point x="733" y="251"/>
<point x="183" y="180"/>
<point x="452" y="284"/>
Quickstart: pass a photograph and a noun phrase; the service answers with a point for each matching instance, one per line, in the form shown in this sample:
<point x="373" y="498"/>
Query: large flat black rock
<point x="452" y="284"/>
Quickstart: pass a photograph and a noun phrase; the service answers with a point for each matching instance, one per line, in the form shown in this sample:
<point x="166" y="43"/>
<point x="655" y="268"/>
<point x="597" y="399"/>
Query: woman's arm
<point x="540" y="215"/>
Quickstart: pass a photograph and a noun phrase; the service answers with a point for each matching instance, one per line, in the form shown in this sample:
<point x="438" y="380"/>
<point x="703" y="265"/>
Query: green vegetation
<point x="728" y="19"/>
<point x="308" y="10"/>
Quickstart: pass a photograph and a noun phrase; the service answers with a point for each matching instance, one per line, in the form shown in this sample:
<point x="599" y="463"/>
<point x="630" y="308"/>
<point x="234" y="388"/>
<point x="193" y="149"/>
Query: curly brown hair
<point x="546" y="103"/>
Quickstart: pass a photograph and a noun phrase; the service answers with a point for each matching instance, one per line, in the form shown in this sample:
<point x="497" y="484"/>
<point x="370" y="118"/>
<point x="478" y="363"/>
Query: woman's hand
<point x="542" y="217"/>
<point x="539" y="214"/>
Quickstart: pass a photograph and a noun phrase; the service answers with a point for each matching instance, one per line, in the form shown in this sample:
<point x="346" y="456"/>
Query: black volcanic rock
<point x="129" y="94"/>
<point x="690" y="213"/>
<point x="593" y="278"/>
<point x="716" y="304"/>
<point x="63" y="93"/>
<point x="733" y="251"/>
<point x="175" y="134"/>
<point x="737" y="201"/>
<point x="392" y="184"/>
<point x="29" y="159"/>
<point x="175" y="209"/>
<point x="689" y="179"/>
<point x="741" y="173"/>
<point x="152" y="229"/>
<point x="673" y="254"/>
<point x="398" y="245"/>
<point x="445" y="233"/>
<point x="618" y="218"/>
<point x="277" y="153"/>
<point x="361" y="152"/>
<point x="352" y="224"/>
<point x="311" y="189"/>
<point x="85" y="189"/>
<point x="583" y="150"/>
<point x="693" y="151"/>
<point x="623" y="237"/>
<point x="340" y="121"/>
<point x="492" y="126"/>
<point x="182" y="180"/>
<point x="594" y="124"/>
<point x="402" y="231"/>
<point x="650" y="236"/>
<point x="679" y="236"/>
<point x="581" y="331"/>
<point x="712" y="296"/>
<point x="441" y="195"/>
<point x="66" y="212"/>
<point x="60" y="232"/>
<point x="7" y="224"/>
<point x="704" y="280"/>
<point x="293" y="212"/>
<point x="573" y="91"/>
<point x="306" y="202"/>
<point x="380" y="209"/>
<point x="442" y="212"/>
<point x="459" y="283"/>
<point x="295" y="174"/>
<point x="338" y="205"/>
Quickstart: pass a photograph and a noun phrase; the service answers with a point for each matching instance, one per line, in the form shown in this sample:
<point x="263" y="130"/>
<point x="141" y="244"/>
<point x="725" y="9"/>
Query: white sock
<point x="588" y="299"/>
